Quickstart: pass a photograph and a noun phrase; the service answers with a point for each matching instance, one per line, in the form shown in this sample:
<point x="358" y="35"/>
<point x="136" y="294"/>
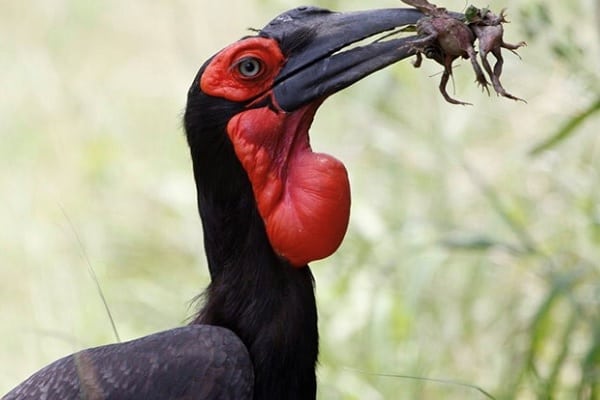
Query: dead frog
<point x="446" y="37"/>
<point x="451" y="38"/>
<point x="488" y="29"/>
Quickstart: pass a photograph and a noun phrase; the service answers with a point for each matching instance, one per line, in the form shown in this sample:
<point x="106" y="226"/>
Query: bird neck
<point x="267" y="302"/>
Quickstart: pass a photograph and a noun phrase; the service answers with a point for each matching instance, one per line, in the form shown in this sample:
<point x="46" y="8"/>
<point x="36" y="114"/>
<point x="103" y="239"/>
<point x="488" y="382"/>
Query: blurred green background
<point x="471" y="257"/>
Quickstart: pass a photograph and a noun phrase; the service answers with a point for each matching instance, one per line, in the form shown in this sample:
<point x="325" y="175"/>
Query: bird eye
<point x="249" y="67"/>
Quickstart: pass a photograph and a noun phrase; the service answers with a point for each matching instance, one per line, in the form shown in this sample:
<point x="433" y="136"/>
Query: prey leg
<point x="495" y="75"/>
<point x="418" y="60"/>
<point x="513" y="47"/>
<point x="479" y="76"/>
<point x="444" y="82"/>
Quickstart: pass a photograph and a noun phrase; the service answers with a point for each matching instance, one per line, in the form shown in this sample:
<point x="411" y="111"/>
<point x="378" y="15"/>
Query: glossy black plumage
<point x="268" y="303"/>
<point x="193" y="362"/>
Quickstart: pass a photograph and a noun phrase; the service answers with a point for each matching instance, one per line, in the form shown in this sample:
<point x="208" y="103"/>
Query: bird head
<point x="249" y="111"/>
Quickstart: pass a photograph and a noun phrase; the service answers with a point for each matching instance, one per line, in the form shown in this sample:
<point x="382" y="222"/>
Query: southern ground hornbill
<point x="268" y="204"/>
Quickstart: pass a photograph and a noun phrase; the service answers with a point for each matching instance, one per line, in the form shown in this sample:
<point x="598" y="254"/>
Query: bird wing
<point x="192" y="362"/>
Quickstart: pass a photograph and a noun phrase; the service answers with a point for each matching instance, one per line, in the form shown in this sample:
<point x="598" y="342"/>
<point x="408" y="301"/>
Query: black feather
<point x="193" y="362"/>
<point x="268" y="303"/>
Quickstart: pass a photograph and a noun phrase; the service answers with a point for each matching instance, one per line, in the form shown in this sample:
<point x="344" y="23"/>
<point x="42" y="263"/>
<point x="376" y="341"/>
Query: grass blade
<point x="567" y="129"/>
<point x="432" y="380"/>
<point x="93" y="275"/>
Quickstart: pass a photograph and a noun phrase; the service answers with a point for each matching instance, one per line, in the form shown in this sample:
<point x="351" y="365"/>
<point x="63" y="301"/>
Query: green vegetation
<point x="472" y="255"/>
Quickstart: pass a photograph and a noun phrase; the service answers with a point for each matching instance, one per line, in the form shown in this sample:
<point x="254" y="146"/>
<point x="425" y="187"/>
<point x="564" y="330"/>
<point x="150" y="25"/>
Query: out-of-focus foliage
<point x="469" y="258"/>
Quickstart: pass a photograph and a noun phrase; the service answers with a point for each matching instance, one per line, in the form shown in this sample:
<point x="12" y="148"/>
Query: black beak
<point x="314" y="40"/>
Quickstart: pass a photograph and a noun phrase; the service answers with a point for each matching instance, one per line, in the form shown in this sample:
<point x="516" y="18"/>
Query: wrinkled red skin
<point x="302" y="196"/>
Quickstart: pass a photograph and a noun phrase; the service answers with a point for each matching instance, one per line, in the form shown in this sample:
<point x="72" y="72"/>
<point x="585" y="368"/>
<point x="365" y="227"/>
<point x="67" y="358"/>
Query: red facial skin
<point x="303" y="197"/>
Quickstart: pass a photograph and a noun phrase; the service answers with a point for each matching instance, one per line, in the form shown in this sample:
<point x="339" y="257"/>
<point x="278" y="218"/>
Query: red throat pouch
<point x="303" y="197"/>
